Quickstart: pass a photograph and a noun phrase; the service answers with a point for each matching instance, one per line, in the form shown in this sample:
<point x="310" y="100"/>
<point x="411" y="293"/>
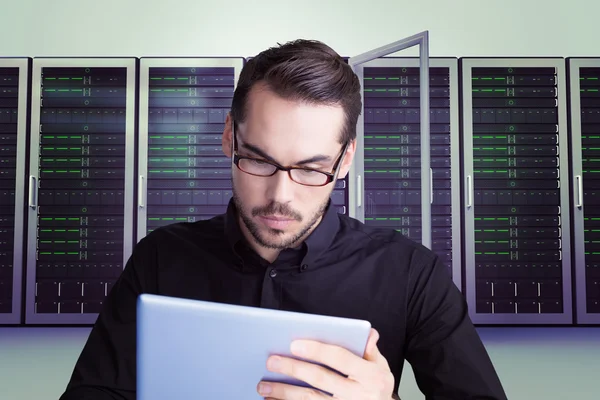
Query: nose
<point x="280" y="188"/>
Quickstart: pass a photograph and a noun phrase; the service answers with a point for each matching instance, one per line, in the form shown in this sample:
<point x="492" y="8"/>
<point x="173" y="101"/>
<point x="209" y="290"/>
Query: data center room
<point x="514" y="92"/>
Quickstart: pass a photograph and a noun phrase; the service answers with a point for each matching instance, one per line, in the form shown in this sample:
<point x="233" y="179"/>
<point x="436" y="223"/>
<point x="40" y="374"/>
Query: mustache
<point x="276" y="208"/>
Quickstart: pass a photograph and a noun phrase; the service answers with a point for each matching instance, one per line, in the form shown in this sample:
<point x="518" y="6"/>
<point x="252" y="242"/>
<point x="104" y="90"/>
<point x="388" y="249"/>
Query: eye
<point x="257" y="162"/>
<point x="309" y="172"/>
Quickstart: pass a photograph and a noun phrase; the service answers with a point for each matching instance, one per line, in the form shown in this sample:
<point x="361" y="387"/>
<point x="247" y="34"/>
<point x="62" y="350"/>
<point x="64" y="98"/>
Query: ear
<point x="347" y="160"/>
<point x="227" y="138"/>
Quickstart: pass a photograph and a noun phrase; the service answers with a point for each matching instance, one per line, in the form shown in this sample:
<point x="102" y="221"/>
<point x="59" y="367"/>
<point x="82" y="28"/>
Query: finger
<point x="283" y="391"/>
<point x="371" y="347"/>
<point x="336" y="357"/>
<point x="316" y="376"/>
<point x="372" y="352"/>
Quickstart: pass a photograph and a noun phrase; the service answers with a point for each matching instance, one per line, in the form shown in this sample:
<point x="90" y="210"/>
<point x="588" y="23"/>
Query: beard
<point x="275" y="238"/>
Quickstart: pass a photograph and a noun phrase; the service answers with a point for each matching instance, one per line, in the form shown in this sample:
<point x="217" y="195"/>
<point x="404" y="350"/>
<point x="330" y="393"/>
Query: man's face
<point x="275" y="210"/>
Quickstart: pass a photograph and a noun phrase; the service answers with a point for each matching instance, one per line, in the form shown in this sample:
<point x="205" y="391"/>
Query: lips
<point x="277" y="218"/>
<point x="276" y="222"/>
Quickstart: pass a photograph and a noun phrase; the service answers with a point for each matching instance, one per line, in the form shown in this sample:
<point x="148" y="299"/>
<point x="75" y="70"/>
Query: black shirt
<point x="344" y="268"/>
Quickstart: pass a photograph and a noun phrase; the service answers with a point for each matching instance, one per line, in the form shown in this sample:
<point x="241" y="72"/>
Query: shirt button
<point x="303" y="267"/>
<point x="273" y="273"/>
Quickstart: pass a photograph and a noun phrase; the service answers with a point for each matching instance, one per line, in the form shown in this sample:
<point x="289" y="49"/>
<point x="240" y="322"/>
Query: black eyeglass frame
<point x="330" y="175"/>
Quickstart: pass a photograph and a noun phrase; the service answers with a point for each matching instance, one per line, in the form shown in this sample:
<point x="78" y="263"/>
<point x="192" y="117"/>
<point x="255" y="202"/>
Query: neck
<point x="268" y="254"/>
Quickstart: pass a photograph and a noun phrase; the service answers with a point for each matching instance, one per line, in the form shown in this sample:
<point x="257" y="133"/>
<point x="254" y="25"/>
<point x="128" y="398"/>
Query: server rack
<point x="584" y="85"/>
<point x="183" y="174"/>
<point x="517" y="225"/>
<point x="392" y="153"/>
<point x="80" y="230"/>
<point x="14" y="78"/>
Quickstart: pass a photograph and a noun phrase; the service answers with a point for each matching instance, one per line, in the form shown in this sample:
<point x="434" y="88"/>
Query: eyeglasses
<point x="303" y="176"/>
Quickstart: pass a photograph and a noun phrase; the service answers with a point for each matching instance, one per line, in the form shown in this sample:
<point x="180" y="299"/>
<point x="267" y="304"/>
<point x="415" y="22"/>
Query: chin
<point x="276" y="238"/>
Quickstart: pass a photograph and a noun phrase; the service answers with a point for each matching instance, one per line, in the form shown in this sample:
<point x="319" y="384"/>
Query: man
<point x="291" y="133"/>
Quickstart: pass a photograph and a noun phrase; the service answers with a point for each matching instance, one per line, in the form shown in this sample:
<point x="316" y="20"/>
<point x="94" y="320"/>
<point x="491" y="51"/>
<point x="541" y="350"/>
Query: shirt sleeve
<point x="444" y="349"/>
<point x="106" y="367"/>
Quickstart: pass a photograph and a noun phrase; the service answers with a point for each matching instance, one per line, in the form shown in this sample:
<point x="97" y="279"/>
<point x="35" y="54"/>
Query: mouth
<point x="275" y="221"/>
<point x="277" y="218"/>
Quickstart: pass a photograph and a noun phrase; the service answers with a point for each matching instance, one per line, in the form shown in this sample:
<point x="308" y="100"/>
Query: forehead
<point x="296" y="126"/>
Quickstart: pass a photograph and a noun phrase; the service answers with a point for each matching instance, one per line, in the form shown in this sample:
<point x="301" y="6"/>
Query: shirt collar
<point x="317" y="242"/>
<point x="232" y="229"/>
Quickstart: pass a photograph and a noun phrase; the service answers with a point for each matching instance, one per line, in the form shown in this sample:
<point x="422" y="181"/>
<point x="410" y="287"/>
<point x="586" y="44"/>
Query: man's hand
<point x="369" y="378"/>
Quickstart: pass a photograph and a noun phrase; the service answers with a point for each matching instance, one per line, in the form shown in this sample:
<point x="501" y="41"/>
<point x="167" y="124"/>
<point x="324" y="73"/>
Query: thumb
<point x="372" y="352"/>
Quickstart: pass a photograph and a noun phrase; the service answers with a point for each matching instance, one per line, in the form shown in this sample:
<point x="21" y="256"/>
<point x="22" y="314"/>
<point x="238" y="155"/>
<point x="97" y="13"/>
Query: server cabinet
<point x="81" y="185"/>
<point x="14" y="75"/>
<point x="517" y="226"/>
<point x="584" y="85"/>
<point x="183" y="174"/>
<point x="391" y="161"/>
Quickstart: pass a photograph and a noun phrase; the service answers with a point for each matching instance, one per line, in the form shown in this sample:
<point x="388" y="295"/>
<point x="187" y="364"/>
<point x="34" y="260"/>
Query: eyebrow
<point x="258" y="151"/>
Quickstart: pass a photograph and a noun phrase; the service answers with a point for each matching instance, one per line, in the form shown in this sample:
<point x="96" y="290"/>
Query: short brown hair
<point x="303" y="70"/>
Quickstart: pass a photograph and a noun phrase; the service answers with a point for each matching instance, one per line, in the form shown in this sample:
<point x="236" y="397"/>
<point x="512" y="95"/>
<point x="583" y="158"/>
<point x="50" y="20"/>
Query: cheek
<point x="253" y="191"/>
<point x="311" y="198"/>
<point x="249" y="188"/>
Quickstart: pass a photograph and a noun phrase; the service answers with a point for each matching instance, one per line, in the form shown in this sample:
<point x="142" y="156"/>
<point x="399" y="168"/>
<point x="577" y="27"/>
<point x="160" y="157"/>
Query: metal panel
<point x="357" y="196"/>
<point x="183" y="174"/>
<point x="81" y="185"/>
<point x="14" y="76"/>
<point x="584" y="84"/>
<point x="517" y="244"/>
<point x="392" y="172"/>
<point x="356" y="192"/>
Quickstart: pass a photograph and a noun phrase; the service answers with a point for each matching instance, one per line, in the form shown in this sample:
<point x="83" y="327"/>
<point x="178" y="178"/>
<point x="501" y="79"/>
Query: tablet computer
<point x="192" y="349"/>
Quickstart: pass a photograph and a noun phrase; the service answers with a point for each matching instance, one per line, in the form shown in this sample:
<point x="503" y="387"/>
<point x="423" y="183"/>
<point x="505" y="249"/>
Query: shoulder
<point x="181" y="234"/>
<point x="390" y="242"/>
